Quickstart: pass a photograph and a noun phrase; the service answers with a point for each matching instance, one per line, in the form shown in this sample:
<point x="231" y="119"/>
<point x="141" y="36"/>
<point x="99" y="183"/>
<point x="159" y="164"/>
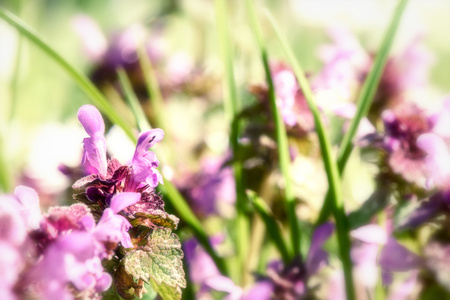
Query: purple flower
<point x="113" y="228"/>
<point x="393" y="256"/>
<point x="210" y="190"/>
<point x="290" y="282"/>
<point x="402" y="128"/>
<point x="94" y="155"/>
<point x="204" y="272"/>
<point x="15" y="247"/>
<point x="396" y="258"/>
<point x="345" y="63"/>
<point x="144" y="163"/>
<point x="74" y="259"/>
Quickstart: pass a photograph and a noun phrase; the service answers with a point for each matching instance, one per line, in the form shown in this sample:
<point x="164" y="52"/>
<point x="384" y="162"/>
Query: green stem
<point x="232" y="108"/>
<point x="365" y="100"/>
<point x="271" y="226"/>
<point x="330" y="165"/>
<point x="281" y="136"/>
<point x="154" y="92"/>
<point x="133" y="101"/>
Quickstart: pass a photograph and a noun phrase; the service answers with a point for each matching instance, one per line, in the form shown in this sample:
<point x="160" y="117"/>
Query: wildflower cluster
<point x="119" y="240"/>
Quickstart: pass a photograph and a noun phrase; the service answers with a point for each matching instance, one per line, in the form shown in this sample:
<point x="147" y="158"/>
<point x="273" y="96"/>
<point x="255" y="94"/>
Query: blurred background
<point x="36" y="94"/>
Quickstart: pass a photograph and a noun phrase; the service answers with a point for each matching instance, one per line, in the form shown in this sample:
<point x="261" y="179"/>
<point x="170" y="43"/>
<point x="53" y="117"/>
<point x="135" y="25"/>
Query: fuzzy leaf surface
<point x="159" y="263"/>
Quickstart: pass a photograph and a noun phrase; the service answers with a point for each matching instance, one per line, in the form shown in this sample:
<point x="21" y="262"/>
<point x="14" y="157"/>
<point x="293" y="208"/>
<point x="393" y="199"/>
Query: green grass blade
<point x="185" y="213"/>
<point x="365" y="99"/>
<point x="330" y="164"/>
<point x="281" y="136"/>
<point x="153" y="90"/>
<point x="271" y="225"/>
<point x="83" y="82"/>
<point x="133" y="101"/>
<point x="232" y="108"/>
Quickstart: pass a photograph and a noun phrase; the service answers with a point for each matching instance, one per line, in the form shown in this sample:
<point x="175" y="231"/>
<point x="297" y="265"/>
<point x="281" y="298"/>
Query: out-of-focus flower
<point x="211" y="190"/>
<point x="404" y="74"/>
<point x="15" y="245"/>
<point x="402" y="128"/>
<point x="346" y="62"/>
<point x="367" y="259"/>
<point x="94" y="42"/>
<point x="290" y="99"/>
<point x="291" y="281"/>
<point x="204" y="272"/>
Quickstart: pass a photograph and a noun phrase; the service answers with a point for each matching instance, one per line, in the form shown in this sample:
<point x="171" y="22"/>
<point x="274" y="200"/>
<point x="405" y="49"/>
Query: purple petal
<point x="114" y="228"/>
<point x="144" y="163"/>
<point x="91" y="119"/>
<point x="94" y="156"/>
<point x="148" y="139"/>
<point x="103" y="283"/>
<point x="438" y="159"/>
<point x="395" y="257"/>
<point x="317" y="256"/>
<point x="31" y="212"/>
<point x="442" y="120"/>
<point x="262" y="290"/>
<point x="371" y="233"/>
<point x="424" y="213"/>
<point x="123" y="200"/>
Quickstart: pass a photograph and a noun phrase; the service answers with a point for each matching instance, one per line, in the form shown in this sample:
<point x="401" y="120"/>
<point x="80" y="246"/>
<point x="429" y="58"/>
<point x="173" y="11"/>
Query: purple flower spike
<point x="123" y="200"/>
<point x="144" y="162"/>
<point x="95" y="146"/>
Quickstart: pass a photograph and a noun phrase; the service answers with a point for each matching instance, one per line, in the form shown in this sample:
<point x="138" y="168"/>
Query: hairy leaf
<point x="160" y="263"/>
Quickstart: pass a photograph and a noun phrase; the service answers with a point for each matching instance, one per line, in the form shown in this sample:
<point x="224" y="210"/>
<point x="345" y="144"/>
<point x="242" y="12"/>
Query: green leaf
<point x="160" y="263"/>
<point x="133" y="101"/>
<point x="376" y="203"/>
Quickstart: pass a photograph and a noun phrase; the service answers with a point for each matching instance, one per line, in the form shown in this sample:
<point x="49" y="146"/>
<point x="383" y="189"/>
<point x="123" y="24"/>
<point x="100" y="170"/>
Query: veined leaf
<point x="160" y="263"/>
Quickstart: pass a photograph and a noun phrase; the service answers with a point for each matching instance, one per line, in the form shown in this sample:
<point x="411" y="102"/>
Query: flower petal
<point x="91" y="119"/>
<point x="123" y="200"/>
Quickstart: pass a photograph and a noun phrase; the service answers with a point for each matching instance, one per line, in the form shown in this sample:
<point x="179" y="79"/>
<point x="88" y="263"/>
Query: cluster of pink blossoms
<point x="59" y="255"/>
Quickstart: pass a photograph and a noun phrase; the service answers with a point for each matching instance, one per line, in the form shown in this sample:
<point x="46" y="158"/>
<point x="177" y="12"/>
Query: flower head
<point x="144" y="163"/>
